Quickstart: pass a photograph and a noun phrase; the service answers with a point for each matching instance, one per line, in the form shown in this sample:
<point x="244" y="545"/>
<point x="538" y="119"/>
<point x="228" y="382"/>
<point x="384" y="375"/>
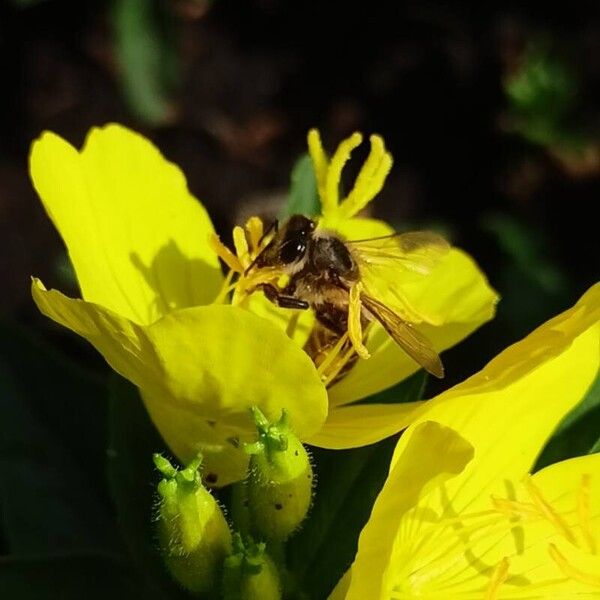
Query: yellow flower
<point x="138" y="242"/>
<point x="459" y="516"/>
<point x="157" y="307"/>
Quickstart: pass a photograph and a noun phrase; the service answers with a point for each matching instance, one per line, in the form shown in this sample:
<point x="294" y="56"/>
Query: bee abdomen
<point x="333" y="317"/>
<point x="321" y="342"/>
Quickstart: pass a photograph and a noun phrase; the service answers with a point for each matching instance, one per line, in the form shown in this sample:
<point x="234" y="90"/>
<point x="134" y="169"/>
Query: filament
<point x="499" y="576"/>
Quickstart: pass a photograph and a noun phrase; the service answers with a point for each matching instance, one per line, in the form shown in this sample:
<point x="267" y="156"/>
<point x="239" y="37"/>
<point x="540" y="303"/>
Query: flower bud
<point x="193" y="534"/>
<point x="249" y="573"/>
<point x="280" y="480"/>
<point x="239" y="511"/>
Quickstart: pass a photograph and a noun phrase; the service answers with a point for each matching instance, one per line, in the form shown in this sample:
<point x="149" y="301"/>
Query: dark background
<point x="228" y="90"/>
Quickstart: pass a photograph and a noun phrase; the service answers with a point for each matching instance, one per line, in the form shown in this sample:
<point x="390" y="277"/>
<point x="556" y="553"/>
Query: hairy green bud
<point x="238" y="508"/>
<point x="249" y="573"/>
<point x="280" y="481"/>
<point x="193" y="534"/>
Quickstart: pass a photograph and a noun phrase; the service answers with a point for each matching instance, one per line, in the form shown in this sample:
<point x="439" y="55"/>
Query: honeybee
<point x="322" y="267"/>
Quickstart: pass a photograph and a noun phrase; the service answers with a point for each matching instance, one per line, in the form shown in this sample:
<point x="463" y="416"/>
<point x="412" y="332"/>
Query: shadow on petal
<point x="177" y="280"/>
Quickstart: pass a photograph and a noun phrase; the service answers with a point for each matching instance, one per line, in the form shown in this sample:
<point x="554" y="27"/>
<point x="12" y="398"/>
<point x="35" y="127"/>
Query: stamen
<point x="338" y="367"/>
<point x="240" y="243"/>
<point x="255" y="228"/>
<point x="331" y="356"/>
<point x="354" y="321"/>
<point x="583" y="512"/>
<point x="224" y="253"/>
<point x="570" y="571"/>
<point x="512" y="508"/>
<point x="248" y="283"/>
<point x="548" y="512"/>
<point x="334" y="172"/>
<point x="320" y="165"/>
<point x="499" y="576"/>
<point x="370" y="179"/>
<point x="225" y="288"/>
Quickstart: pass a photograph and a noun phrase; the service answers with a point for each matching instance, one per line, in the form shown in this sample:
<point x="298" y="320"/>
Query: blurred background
<point x="492" y="116"/>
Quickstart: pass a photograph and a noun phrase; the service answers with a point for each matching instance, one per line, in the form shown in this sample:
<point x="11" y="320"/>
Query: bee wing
<point x="388" y="263"/>
<point x="416" y="251"/>
<point x="409" y="339"/>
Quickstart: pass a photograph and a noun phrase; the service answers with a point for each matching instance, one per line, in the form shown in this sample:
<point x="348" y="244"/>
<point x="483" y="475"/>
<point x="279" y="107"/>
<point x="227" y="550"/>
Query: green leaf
<point x="543" y="99"/>
<point x="577" y="434"/>
<point x="52" y="440"/>
<point x="147" y="56"/>
<point x="69" y="577"/>
<point x="133" y="480"/>
<point x="303" y="196"/>
<point x="544" y="86"/>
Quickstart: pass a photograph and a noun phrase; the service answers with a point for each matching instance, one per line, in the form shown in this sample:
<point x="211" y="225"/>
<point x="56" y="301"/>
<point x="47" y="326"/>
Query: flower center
<point x="241" y="281"/>
<point x="426" y="562"/>
<point x="332" y="354"/>
<point x="541" y="509"/>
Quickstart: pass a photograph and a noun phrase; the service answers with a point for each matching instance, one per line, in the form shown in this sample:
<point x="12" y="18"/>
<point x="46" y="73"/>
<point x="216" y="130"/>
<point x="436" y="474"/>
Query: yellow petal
<point x="580" y="505"/>
<point x="186" y="429"/>
<point x="200" y="370"/>
<point x="363" y="424"/>
<point x="455" y="296"/>
<point x="525" y="391"/>
<point x="342" y="586"/>
<point x="296" y="323"/>
<point x="454" y="540"/>
<point x="546" y="553"/>
<point x="432" y="455"/>
<point x="136" y="236"/>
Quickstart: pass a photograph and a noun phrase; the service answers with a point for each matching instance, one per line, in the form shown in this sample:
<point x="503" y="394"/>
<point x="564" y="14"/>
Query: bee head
<point x="289" y="245"/>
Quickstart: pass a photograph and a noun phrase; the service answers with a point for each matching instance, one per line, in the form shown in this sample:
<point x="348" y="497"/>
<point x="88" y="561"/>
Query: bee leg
<point x="290" y="302"/>
<point x="273" y="295"/>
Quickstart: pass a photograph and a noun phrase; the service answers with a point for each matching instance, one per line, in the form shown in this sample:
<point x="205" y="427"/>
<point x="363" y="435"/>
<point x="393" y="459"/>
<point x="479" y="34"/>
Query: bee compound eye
<point x="292" y="251"/>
